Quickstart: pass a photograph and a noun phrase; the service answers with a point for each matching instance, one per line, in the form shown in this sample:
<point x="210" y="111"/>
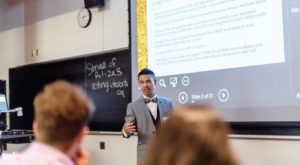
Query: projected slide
<point x="201" y="35"/>
<point x="243" y="56"/>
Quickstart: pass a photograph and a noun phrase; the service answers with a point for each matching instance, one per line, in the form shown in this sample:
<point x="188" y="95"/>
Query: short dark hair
<point x="147" y="71"/>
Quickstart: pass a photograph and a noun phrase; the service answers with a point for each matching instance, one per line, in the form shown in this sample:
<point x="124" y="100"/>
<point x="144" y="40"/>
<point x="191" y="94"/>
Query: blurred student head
<point x="193" y="135"/>
<point x="62" y="111"/>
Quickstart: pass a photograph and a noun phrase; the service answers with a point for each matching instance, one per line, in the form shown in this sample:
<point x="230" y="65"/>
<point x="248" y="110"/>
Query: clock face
<point x="84" y="17"/>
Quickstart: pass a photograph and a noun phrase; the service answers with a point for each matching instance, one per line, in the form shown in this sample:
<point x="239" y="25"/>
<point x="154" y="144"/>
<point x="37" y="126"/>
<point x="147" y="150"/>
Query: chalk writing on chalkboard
<point x="107" y="75"/>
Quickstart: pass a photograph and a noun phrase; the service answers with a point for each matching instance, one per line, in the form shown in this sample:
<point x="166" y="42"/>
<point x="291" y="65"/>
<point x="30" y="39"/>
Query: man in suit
<point x="146" y="113"/>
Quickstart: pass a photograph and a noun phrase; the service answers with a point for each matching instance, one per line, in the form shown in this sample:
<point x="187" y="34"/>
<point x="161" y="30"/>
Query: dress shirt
<point x="38" y="153"/>
<point x="152" y="106"/>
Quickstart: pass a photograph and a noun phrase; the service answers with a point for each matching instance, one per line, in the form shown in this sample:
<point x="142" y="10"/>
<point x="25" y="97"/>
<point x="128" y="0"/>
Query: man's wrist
<point x="124" y="133"/>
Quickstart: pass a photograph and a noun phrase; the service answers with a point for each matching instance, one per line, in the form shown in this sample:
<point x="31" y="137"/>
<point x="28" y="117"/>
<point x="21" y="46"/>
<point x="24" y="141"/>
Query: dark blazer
<point x="139" y="112"/>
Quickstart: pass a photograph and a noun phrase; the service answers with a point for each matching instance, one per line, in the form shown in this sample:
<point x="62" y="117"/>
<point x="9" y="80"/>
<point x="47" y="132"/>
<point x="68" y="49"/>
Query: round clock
<point x="84" y="17"/>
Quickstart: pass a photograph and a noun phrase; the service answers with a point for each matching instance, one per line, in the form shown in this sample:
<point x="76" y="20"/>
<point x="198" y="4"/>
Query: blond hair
<point x="61" y="111"/>
<point x="193" y="135"/>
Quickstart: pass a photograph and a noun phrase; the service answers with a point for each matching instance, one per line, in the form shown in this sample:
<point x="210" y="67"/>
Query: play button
<point x="223" y="95"/>
<point x="183" y="97"/>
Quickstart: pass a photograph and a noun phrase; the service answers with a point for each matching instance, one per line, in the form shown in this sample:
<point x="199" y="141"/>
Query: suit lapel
<point x="160" y="108"/>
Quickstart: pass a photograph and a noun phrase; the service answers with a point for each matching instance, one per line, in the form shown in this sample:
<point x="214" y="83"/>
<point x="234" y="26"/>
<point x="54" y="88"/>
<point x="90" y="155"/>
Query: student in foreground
<point x="192" y="135"/>
<point x="62" y="111"/>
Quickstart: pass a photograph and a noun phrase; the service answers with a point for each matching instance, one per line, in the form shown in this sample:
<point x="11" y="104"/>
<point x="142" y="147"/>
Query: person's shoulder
<point x="10" y="159"/>
<point x="138" y="100"/>
<point x="164" y="98"/>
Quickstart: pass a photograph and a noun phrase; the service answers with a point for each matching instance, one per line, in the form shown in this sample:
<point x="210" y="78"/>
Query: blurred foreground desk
<point x="14" y="137"/>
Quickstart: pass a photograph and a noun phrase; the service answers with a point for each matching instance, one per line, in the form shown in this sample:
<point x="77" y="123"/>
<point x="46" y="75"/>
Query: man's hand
<point x="129" y="127"/>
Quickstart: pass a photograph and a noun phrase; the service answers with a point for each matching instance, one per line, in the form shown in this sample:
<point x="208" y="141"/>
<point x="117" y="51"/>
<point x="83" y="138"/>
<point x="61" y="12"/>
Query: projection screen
<point x="241" y="56"/>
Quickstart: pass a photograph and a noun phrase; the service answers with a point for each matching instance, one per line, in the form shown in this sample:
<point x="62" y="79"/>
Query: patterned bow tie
<point x="147" y="100"/>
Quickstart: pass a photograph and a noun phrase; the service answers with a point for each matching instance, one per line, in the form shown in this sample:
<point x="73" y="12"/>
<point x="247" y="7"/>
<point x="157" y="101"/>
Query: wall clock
<point x="84" y="17"/>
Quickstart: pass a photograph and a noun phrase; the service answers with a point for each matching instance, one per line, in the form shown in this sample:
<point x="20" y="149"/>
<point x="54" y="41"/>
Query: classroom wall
<point x="51" y="28"/>
<point x="117" y="151"/>
<point x="266" y="150"/>
<point x="12" y="34"/>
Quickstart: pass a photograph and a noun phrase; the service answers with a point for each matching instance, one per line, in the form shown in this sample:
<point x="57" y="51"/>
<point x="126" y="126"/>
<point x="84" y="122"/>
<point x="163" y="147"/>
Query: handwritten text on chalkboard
<point x="105" y="75"/>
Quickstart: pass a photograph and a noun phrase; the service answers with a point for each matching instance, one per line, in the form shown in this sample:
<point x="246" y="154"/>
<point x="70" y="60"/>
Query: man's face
<point x="147" y="83"/>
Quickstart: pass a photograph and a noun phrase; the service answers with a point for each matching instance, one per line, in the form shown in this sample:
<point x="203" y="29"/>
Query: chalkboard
<point x="106" y="77"/>
<point x="108" y="83"/>
<point x="2" y="115"/>
<point x="2" y="87"/>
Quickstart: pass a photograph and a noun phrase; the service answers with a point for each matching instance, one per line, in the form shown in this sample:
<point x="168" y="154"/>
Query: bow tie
<point x="147" y="100"/>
